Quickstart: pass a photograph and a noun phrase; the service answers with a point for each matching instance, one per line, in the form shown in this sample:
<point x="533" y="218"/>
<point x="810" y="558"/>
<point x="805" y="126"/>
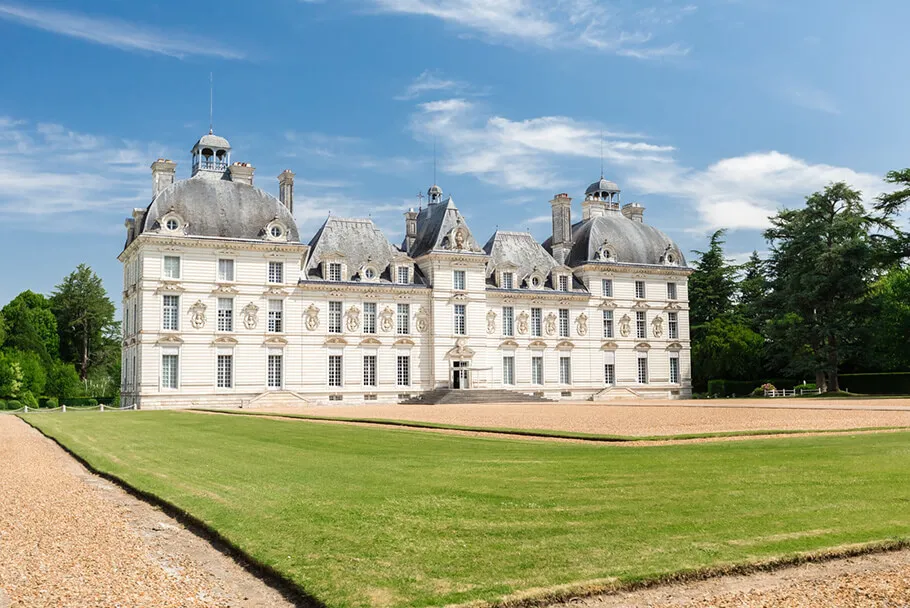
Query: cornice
<point x="638" y="269"/>
<point x="362" y="288"/>
<point x="157" y="240"/>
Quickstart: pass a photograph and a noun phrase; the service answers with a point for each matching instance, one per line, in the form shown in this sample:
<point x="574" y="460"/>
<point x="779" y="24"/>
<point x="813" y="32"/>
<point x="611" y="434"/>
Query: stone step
<point x="473" y="396"/>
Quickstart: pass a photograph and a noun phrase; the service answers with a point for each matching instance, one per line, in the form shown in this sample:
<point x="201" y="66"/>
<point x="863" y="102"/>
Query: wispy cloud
<point x="346" y="151"/>
<point x="810" y="98"/>
<point x="432" y="81"/>
<point x="115" y="33"/>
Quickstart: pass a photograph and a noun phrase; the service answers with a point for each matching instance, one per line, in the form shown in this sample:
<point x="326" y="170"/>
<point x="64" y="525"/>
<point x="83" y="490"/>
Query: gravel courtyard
<point x="643" y="417"/>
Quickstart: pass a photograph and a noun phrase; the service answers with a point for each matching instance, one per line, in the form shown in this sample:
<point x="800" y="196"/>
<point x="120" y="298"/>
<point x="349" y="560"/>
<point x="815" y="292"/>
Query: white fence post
<point x="64" y="408"/>
<point x="102" y="407"/>
<point x="26" y="409"/>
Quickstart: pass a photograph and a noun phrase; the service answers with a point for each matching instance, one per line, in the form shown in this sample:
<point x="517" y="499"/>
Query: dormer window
<point x="403" y="275"/>
<point x="171" y="223"/>
<point x="369" y="273"/>
<point x="507" y="280"/>
<point x="535" y="281"/>
<point x="334" y="271"/>
<point x="276" y="231"/>
<point x="563" y="283"/>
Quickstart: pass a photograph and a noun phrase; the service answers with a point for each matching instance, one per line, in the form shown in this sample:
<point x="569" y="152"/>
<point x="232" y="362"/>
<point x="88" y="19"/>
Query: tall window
<point x="508" y="321"/>
<point x="671" y="291"/>
<point x="335" y="365"/>
<point x="276" y="312"/>
<point x="225" y="372"/>
<point x="640" y="290"/>
<point x="642" y="368"/>
<point x="565" y="370"/>
<point x="404" y="319"/>
<point x="640" y="324"/>
<point x="403" y="274"/>
<point x="334" y="317"/>
<point x="275" y="371"/>
<point x="536" y="370"/>
<point x="458" y="279"/>
<point x="225" y="314"/>
<point x="563" y="322"/>
<point x="126" y="322"/>
<point x="563" y="283"/>
<point x="508" y="370"/>
<point x="609" y="373"/>
<point x="171" y="267"/>
<point x="369" y="370"/>
<point x="171" y="313"/>
<point x="334" y="271"/>
<point x="673" y="325"/>
<point x="369" y="317"/>
<point x="225" y="270"/>
<point x="608" y="324"/>
<point x="276" y="272"/>
<point x="460" y="321"/>
<point x="674" y="369"/>
<point x="404" y="370"/>
<point x="606" y="286"/>
<point x="135" y="316"/>
<point x="535" y="322"/>
<point x="170" y="365"/>
<point x="508" y="280"/>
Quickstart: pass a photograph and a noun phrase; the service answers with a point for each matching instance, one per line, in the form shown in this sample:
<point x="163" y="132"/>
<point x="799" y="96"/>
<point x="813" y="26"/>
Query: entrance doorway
<point x="461" y="374"/>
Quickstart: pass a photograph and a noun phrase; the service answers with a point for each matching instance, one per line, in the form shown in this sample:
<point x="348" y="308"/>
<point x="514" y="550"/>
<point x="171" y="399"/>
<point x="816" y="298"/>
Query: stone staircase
<point x="275" y="398"/>
<point x="470" y="396"/>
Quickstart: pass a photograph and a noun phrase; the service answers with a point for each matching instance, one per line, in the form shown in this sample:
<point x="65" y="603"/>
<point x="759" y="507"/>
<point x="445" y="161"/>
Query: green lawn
<point x="382" y="516"/>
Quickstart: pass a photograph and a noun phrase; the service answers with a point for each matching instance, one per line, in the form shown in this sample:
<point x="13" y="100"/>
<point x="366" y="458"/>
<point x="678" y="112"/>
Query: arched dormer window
<point x="172" y="223"/>
<point x="276" y="231"/>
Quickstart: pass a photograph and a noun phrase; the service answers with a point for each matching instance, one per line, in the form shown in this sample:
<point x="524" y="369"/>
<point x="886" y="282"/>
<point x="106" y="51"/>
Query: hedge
<point x="88" y="401"/>
<point x="744" y="388"/>
<point x="894" y="383"/>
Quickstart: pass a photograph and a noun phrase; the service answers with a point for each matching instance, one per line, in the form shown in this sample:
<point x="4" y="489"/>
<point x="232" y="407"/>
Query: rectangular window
<point x="508" y="370"/>
<point x="606" y="286"/>
<point x="369" y="370"/>
<point x="126" y="322"/>
<point x="171" y="317"/>
<point x="276" y="312"/>
<point x="642" y="368"/>
<point x="640" y="324"/>
<point x="508" y="321"/>
<point x="225" y="270"/>
<point x="460" y="320"/>
<point x="404" y="370"/>
<point x="404" y="319"/>
<point x="135" y="318"/>
<point x="565" y="370"/>
<point x="673" y="325"/>
<point x="334" y="317"/>
<point x="507" y="280"/>
<point x="563" y="283"/>
<point x="536" y="370"/>
<point x="671" y="291"/>
<point x="169" y="370"/>
<point x="369" y="317"/>
<point x="276" y="272"/>
<point x="275" y="371"/>
<point x="563" y="322"/>
<point x="608" y="324"/>
<point x="225" y="372"/>
<point x="640" y="290"/>
<point x="225" y="314"/>
<point x="609" y="374"/>
<point x="459" y="279"/>
<point x="403" y="274"/>
<point x="674" y="370"/>
<point x="334" y="271"/>
<point x="535" y="322"/>
<point x="335" y="365"/>
<point x="171" y="267"/>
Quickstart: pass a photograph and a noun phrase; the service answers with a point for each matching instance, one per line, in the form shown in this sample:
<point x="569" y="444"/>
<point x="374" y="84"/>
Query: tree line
<point x="62" y="346"/>
<point x="832" y="295"/>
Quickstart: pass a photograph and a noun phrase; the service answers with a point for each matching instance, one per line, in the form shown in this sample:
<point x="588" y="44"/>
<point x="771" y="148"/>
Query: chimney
<point x="163" y="172"/>
<point x="592" y="207"/>
<point x="410" y="229"/>
<point x="634" y="212"/>
<point x="242" y="173"/>
<point x="562" y="226"/>
<point x="286" y="189"/>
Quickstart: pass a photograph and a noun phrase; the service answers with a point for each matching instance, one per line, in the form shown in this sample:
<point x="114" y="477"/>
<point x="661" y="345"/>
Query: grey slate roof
<point x="212" y="141"/>
<point x="220" y="208"/>
<point x="358" y="240"/>
<point x="522" y="251"/>
<point x="602" y="185"/>
<point x="630" y="242"/>
<point x="434" y="223"/>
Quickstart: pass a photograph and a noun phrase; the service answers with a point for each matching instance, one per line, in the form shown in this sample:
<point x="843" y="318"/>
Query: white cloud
<point x="345" y="151"/>
<point x="115" y="33"/>
<point x="431" y="81"/>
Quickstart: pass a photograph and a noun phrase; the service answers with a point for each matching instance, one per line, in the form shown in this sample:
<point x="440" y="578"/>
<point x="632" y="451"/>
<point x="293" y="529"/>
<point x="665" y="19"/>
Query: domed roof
<point x="602" y="185"/>
<point x="220" y="208"/>
<point x="434" y="189"/>
<point x="210" y="140"/>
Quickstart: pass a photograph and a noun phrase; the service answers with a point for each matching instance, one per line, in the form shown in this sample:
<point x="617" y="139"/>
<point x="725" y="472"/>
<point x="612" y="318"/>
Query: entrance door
<point x="460" y="374"/>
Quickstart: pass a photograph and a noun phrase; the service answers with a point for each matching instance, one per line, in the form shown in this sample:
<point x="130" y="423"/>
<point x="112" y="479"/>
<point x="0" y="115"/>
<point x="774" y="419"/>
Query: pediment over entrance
<point x="461" y="350"/>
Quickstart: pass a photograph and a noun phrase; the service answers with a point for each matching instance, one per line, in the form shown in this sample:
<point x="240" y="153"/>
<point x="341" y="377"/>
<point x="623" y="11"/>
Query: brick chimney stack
<point x="562" y="226"/>
<point x="242" y="173"/>
<point x="163" y="172"/>
<point x="286" y="189"/>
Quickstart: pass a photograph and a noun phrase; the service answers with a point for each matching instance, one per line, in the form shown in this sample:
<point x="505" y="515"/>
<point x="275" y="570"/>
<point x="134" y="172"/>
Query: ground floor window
<point x="335" y="377"/>
<point x="537" y="370"/>
<point x="224" y="374"/>
<point x="508" y="370"/>
<point x="170" y="364"/>
<point x="609" y="373"/>
<point x="642" y="369"/>
<point x="369" y="370"/>
<point x="565" y="370"/>
<point x="404" y="370"/>
<point x="276" y="365"/>
<point x="674" y="370"/>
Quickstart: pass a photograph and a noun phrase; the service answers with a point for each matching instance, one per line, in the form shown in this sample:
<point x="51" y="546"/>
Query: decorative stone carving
<point x="385" y="319"/>
<point x="550" y="324"/>
<point x="422" y="320"/>
<point x="352" y="319"/>
<point x="197" y="315"/>
<point x="522" y="323"/>
<point x="311" y="315"/>
<point x="657" y="326"/>
<point x="581" y="324"/>
<point x="491" y="322"/>
<point x="461" y="350"/>
<point x="250" y="314"/>
<point x="625" y="326"/>
<point x="604" y="252"/>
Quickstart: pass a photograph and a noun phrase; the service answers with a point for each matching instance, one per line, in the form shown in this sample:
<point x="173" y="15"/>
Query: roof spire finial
<point x="601" y="154"/>
<point x="211" y="102"/>
<point x="434" y="160"/>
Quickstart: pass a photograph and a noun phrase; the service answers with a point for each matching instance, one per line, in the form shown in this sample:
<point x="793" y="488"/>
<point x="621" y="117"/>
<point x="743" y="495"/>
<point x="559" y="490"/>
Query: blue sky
<point x="714" y="113"/>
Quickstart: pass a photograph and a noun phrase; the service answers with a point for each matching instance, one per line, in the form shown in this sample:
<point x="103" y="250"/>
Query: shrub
<point x="51" y="402"/>
<point x="896" y="383"/>
<point x="2" y="404"/>
<point x="717" y="388"/>
<point x="28" y="399"/>
<point x="805" y="387"/>
<point x="80" y="401"/>
<point x="12" y="404"/>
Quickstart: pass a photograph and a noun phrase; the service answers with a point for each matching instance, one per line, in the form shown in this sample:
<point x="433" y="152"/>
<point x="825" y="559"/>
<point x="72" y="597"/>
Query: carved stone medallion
<point x="625" y="326"/>
<point x="385" y="319"/>
<point x="311" y="315"/>
<point x="352" y="319"/>
<point x="550" y="324"/>
<point x="491" y="322"/>
<point x="422" y="320"/>
<point x="522" y="323"/>
<point x="657" y="326"/>
<point x="197" y="315"/>
<point x="581" y="324"/>
<point x="250" y="316"/>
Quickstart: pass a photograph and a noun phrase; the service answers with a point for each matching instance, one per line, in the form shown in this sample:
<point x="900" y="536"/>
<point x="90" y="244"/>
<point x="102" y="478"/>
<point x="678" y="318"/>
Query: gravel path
<point x="639" y="419"/>
<point x="71" y="539"/>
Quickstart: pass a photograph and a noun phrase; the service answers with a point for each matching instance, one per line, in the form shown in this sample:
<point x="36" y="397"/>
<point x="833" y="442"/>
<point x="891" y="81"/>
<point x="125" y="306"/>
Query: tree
<point x="823" y="258"/>
<point x="753" y="290"/>
<point x="888" y="308"/>
<point x="712" y="285"/>
<point x="63" y="381"/>
<point x="10" y="376"/>
<point x="728" y="349"/>
<point x="2" y="329"/>
<point x="84" y="313"/>
<point x="32" y="326"/>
